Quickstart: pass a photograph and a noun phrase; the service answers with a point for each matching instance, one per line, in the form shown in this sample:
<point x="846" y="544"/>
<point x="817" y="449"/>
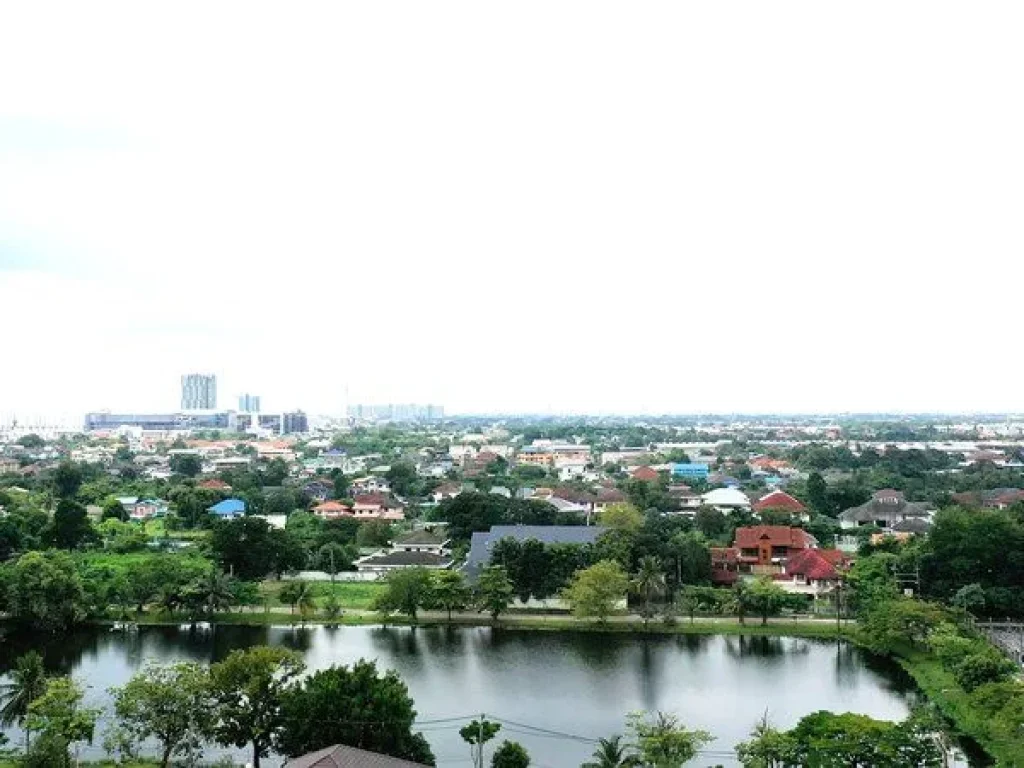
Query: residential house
<point x="997" y="498"/>
<point x="8" y="465"/>
<point x="725" y="499"/>
<point x="761" y="547"/>
<point x="318" y="490"/>
<point x="427" y="548"/>
<point x="371" y="484"/>
<point x="446" y="491"/>
<point x="684" y="496"/>
<point x="229" y="509"/>
<point x="483" y="542"/>
<point x="377" y="506"/>
<point x="144" y="509"/>
<point x="885" y="509"/>
<point x="768" y="550"/>
<point x="331" y="510"/>
<point x="813" y="572"/>
<point x="648" y="474"/>
<point x="782" y="501"/>
<point x="565" y="506"/>
<point x="213" y="484"/>
<point x="690" y="471"/>
<point x="608" y="496"/>
<point x="340" y="756"/>
<point x="584" y="500"/>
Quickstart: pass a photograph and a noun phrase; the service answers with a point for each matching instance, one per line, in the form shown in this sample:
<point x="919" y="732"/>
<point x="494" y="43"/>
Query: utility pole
<point x="480" y="743"/>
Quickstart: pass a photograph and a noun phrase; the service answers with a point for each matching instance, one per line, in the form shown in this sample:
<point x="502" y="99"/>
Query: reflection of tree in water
<point x="847" y="664"/>
<point x="400" y="643"/>
<point x="693" y="644"/>
<point x="597" y="650"/>
<point x="297" y="638"/>
<point x="60" y="653"/>
<point x="771" y="650"/>
<point x="652" y="652"/>
<point x="887" y="673"/>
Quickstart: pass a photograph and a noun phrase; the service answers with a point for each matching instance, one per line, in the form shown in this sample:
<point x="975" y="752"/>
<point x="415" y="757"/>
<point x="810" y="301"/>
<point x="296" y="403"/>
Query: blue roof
<point x="228" y="507"/>
<point x="483" y="541"/>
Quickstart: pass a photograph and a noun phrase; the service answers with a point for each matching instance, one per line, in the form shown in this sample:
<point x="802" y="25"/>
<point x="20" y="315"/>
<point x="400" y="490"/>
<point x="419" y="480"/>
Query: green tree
<point x="333" y="557"/>
<point x="817" y="494"/>
<point x="358" y="706"/>
<point x="662" y="742"/>
<point x="494" y="591"/>
<point x="903" y="622"/>
<point x="31" y="440"/>
<point x="408" y="590"/>
<point x="594" y="591"/>
<point x="332" y="608"/>
<point x="767" y="748"/>
<point x="67" y="479"/>
<point x="70" y="527"/>
<point x="60" y="718"/>
<point x="477" y="734"/>
<point x="621" y="517"/>
<point x="612" y="753"/>
<point x="186" y="464"/>
<point x="689" y="553"/>
<point x="970" y="598"/>
<point x="28" y="683"/>
<point x="211" y="593"/>
<point x="763" y="597"/>
<point x="167" y="703"/>
<point x="299" y="594"/>
<point x="402" y="478"/>
<point x="851" y="740"/>
<point x="45" y="592"/>
<point x="449" y="591"/>
<point x="648" y="582"/>
<point x="249" y="548"/>
<point x="114" y="510"/>
<point x="510" y="754"/>
<point x="374" y="533"/>
<point x="248" y="689"/>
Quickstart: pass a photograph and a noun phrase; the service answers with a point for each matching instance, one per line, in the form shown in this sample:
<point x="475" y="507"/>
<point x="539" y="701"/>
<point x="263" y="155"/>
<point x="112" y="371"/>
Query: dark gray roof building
<point x="886" y="509"/>
<point x="483" y="542"/>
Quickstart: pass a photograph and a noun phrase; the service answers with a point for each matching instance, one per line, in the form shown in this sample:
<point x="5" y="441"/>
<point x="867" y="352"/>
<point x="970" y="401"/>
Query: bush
<point x="986" y="665"/>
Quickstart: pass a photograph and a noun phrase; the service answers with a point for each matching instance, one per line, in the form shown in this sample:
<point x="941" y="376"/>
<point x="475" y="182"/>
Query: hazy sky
<point x="559" y="206"/>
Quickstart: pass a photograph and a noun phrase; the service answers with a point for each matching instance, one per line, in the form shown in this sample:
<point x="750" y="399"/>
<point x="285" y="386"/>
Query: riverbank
<point x="821" y="628"/>
<point x="941" y="688"/>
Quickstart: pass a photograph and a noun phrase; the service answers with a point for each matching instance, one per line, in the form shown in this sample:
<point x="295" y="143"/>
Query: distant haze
<point x="547" y="207"/>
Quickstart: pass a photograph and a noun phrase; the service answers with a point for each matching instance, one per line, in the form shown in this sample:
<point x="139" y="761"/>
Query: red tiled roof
<point x="376" y="499"/>
<point x="577" y="497"/>
<point x="778" y="500"/>
<point x="331" y="506"/>
<point x="834" y="556"/>
<point x="213" y="484"/>
<point x="778" y="535"/>
<point x="812" y="564"/>
<point x="645" y="473"/>
<point x="887" y="493"/>
<point x="724" y="555"/>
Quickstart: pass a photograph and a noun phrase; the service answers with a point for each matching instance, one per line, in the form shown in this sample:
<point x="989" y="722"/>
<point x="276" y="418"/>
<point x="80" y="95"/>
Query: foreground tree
<point x="169" y="704"/>
<point x="594" y="591"/>
<point x="357" y="706"/>
<point x="28" y="683"/>
<point x="70" y="527"/>
<point x="60" y="718"/>
<point x="494" y="591"/>
<point x="661" y="742"/>
<point x="763" y="597"/>
<point x="612" y="753"/>
<point x="510" y="754"/>
<point x="247" y="690"/>
<point x="477" y="734"/>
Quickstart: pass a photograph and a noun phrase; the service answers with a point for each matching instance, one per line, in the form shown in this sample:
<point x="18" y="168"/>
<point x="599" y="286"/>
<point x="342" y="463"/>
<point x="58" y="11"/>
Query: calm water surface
<point x="580" y="684"/>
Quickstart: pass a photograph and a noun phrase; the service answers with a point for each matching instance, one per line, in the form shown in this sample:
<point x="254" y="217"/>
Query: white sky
<point x="557" y="206"/>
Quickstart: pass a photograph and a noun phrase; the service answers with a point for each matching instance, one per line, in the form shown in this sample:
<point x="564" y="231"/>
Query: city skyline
<point x="695" y="223"/>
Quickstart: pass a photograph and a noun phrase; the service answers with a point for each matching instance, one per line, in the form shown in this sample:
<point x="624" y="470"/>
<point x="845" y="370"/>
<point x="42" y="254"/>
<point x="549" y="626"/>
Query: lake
<point x="575" y="686"/>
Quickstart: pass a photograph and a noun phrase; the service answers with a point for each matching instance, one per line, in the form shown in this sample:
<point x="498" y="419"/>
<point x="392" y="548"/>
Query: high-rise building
<point x="249" y="404"/>
<point x="198" y="392"/>
<point x="294" y="422"/>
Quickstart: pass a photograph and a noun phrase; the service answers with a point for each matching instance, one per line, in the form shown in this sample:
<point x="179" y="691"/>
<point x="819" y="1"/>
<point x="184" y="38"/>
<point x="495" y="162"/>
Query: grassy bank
<point x="350" y="594"/>
<point x="955" y="703"/>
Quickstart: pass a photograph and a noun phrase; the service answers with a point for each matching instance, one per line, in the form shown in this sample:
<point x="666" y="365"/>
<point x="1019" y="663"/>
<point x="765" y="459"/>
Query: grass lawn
<point x="351" y="594"/>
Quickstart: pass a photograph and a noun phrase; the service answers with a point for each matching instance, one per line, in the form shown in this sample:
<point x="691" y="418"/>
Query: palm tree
<point x="28" y="682"/>
<point x="612" y="753"/>
<point x="332" y="609"/>
<point x="305" y="599"/>
<point x="648" y="582"/>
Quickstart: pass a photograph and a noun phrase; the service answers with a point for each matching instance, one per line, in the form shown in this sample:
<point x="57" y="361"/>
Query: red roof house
<point x="332" y="509"/>
<point x="761" y="544"/>
<point x="779" y="500"/>
<point x="645" y="473"/>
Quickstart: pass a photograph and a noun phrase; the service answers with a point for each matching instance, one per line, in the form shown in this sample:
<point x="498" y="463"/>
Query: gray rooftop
<point x="483" y="541"/>
<point x="340" y="756"/>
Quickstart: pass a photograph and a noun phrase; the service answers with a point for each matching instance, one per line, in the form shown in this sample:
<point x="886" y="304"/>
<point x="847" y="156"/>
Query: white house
<point x="726" y="499"/>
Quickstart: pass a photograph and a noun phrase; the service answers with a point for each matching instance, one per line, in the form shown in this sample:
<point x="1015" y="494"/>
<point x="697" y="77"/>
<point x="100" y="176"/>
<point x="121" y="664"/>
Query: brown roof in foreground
<point x="645" y="473"/>
<point x="340" y="756"/>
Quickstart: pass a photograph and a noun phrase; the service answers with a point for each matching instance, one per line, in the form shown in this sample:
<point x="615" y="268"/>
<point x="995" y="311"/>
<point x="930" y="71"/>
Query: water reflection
<point x="580" y="683"/>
